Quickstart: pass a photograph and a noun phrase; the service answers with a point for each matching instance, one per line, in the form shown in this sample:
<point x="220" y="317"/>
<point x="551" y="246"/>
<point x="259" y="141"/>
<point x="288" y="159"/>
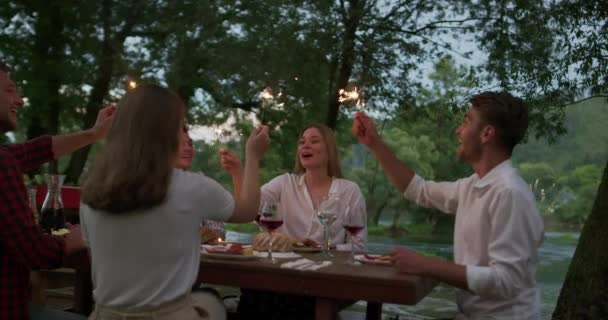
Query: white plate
<point x="277" y="255"/>
<point x="361" y="258"/>
<point x="227" y="256"/>
<point x="306" y="249"/>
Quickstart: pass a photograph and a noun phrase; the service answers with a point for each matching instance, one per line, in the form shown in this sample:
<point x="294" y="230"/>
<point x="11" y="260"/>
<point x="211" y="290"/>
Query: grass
<point x="242" y="227"/>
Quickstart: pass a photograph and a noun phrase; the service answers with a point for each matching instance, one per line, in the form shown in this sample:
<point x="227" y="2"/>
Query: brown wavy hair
<point x="133" y="171"/>
<point x="508" y="115"/>
<point x="333" y="160"/>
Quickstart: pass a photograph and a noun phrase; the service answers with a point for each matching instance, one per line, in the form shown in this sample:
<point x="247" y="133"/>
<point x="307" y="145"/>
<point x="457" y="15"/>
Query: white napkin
<point x="306" y="264"/>
<point x="278" y="255"/>
<point x="220" y="247"/>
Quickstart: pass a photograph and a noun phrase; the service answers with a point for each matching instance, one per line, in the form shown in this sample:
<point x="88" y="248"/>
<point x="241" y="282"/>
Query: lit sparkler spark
<point x="349" y="97"/>
<point x="266" y="94"/>
<point x="132" y="84"/>
<point x="219" y="132"/>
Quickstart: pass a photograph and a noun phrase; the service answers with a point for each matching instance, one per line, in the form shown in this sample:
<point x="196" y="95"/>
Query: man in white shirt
<point x="498" y="228"/>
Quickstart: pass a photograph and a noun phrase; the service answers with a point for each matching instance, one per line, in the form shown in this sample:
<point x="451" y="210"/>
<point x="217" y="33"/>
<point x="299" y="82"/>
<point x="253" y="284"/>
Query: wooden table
<point x="330" y="285"/>
<point x="83" y="285"/>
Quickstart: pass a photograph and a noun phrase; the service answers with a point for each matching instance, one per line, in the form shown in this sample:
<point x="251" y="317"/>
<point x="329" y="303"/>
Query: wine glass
<point x="257" y="219"/>
<point x="271" y="219"/>
<point x="327" y="207"/>
<point x="354" y="222"/>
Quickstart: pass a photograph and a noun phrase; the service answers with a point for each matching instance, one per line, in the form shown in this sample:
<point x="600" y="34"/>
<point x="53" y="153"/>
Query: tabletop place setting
<point x="272" y="247"/>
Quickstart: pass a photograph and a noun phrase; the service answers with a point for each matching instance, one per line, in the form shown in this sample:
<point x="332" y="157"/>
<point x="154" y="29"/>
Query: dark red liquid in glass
<point x="271" y="225"/>
<point x="52" y="219"/>
<point x="353" y="230"/>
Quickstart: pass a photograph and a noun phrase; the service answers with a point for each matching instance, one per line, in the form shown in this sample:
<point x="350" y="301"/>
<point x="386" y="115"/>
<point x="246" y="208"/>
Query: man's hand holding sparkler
<point x="365" y="130"/>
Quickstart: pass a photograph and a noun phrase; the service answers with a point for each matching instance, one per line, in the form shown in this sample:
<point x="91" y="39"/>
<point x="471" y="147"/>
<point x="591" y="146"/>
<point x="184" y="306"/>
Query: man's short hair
<point x="4" y="67"/>
<point x="508" y="115"/>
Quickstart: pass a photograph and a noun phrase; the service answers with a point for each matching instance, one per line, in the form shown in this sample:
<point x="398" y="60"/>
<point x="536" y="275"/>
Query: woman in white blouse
<point x="317" y="173"/>
<point x="211" y="230"/>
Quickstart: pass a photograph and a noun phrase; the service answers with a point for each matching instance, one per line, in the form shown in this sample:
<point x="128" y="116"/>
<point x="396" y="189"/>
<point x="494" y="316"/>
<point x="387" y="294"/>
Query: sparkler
<point x="132" y="84"/>
<point x="351" y="98"/>
<point x="219" y="132"/>
<point x="268" y="99"/>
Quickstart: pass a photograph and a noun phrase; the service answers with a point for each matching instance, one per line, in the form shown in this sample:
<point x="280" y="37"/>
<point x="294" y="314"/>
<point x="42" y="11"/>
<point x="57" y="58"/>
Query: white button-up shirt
<point x="497" y="234"/>
<point x="299" y="218"/>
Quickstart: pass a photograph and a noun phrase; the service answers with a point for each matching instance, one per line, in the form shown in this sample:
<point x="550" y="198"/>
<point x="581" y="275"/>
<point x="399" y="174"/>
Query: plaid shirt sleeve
<point x="20" y="236"/>
<point x="23" y="245"/>
<point x="33" y="153"/>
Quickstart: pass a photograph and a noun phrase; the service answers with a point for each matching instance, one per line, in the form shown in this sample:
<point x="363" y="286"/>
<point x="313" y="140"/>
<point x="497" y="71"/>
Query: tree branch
<point x="394" y="11"/>
<point x="433" y="25"/>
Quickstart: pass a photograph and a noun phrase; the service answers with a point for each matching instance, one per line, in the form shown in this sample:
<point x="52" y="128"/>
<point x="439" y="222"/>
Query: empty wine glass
<point x="327" y="208"/>
<point x="271" y="219"/>
<point x="354" y="222"/>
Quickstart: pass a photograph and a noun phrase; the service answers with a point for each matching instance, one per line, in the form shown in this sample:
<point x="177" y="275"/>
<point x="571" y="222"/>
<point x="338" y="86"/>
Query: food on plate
<point x="379" y="258"/>
<point x="306" y="243"/>
<point x="230" y="248"/>
<point x="281" y="243"/>
<point x="60" y="232"/>
<point x="209" y="237"/>
<point x="247" y="251"/>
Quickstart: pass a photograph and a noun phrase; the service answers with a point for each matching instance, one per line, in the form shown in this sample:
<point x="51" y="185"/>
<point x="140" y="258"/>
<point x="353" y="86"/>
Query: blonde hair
<point x="134" y="169"/>
<point x="333" y="161"/>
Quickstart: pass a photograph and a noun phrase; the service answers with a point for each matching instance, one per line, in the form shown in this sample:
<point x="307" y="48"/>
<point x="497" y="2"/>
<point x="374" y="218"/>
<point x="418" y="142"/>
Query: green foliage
<point x="585" y="141"/>
<point x="564" y="175"/>
<point x="242" y="227"/>
<point x="583" y="183"/>
<point x="218" y="56"/>
<point x="543" y="182"/>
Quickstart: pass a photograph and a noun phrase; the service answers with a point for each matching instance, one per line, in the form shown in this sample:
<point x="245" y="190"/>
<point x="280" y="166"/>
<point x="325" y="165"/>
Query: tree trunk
<point x="584" y="294"/>
<point x="55" y="61"/>
<point x="351" y="19"/>
<point x="111" y="50"/>
<point x="378" y="212"/>
<point x="49" y="48"/>
<point x="396" y="218"/>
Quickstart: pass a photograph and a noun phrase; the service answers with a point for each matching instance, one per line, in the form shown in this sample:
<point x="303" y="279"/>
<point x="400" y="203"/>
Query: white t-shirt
<point x="497" y="234"/>
<point x="148" y="257"/>
<point x="299" y="218"/>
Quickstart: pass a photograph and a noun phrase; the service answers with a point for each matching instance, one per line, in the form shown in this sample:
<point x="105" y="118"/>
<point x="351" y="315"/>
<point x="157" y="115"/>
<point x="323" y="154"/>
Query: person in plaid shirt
<point x="23" y="244"/>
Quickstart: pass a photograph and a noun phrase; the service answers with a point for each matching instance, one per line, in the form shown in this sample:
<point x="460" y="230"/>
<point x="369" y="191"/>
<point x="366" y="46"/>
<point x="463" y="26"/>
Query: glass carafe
<point x="51" y="213"/>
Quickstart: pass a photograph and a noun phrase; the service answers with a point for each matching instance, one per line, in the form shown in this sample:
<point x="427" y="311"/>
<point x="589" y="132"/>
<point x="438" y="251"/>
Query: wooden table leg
<point x="326" y="309"/>
<point x="83" y="286"/>
<point x="373" y="311"/>
<point x="39" y="285"/>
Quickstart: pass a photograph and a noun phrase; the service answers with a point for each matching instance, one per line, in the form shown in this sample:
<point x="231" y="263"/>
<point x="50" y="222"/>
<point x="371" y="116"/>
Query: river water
<point x="555" y="255"/>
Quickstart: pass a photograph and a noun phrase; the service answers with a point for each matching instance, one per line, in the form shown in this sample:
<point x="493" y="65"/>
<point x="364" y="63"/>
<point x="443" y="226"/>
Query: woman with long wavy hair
<point x="141" y="216"/>
<point x="317" y="173"/>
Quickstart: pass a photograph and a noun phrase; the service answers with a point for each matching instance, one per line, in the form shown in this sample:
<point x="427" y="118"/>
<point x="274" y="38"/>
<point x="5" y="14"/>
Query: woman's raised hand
<point x="230" y="162"/>
<point x="257" y="143"/>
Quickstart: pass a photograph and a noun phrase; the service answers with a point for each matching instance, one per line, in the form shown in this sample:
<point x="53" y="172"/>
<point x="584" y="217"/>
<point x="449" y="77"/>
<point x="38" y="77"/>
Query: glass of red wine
<point x="271" y="219"/>
<point x="257" y="219"/>
<point x="353" y="222"/>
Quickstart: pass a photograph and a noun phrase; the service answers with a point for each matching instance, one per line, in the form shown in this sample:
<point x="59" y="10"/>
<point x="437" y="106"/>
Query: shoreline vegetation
<point x="425" y="232"/>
